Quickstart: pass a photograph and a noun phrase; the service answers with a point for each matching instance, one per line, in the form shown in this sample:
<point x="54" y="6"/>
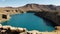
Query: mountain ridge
<point x="38" y="7"/>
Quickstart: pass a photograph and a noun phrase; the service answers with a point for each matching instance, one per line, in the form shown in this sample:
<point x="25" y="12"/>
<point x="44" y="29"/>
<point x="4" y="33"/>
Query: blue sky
<point x="16" y="3"/>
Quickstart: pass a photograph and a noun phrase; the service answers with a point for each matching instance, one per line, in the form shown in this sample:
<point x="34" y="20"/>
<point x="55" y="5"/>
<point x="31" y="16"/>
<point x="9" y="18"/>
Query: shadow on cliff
<point x="47" y="21"/>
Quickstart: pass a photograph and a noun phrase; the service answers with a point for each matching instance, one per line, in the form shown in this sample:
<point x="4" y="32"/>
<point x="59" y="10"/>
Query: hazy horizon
<point x="17" y="3"/>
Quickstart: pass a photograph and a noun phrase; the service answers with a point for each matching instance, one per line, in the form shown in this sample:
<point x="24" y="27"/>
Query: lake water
<point x="29" y="21"/>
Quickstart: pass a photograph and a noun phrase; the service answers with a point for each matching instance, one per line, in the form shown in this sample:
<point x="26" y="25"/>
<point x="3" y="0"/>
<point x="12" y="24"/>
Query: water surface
<point x="29" y="21"/>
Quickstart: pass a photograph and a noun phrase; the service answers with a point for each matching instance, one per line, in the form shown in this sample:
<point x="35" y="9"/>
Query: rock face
<point x="48" y="12"/>
<point x="49" y="16"/>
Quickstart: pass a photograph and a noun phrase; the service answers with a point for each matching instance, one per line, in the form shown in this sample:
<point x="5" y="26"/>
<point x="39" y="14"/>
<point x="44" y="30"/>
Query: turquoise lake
<point x="29" y="21"/>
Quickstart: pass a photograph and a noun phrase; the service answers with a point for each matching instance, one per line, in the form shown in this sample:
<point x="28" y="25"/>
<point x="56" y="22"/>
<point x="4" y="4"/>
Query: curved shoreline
<point x="17" y="30"/>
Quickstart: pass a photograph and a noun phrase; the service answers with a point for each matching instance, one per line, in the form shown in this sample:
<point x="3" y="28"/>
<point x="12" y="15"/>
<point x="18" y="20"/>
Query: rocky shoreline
<point x="17" y="30"/>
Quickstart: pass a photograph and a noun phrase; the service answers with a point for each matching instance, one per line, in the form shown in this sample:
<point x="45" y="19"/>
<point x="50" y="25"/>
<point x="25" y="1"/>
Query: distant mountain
<point x="38" y="7"/>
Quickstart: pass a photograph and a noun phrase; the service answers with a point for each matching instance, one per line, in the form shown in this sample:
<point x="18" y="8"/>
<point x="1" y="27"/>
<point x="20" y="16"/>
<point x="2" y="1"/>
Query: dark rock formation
<point x="4" y="16"/>
<point x="49" y="16"/>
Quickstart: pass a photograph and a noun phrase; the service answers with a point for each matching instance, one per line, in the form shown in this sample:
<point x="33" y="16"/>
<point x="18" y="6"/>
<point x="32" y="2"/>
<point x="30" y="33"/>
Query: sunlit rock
<point x="6" y="27"/>
<point x="0" y="26"/>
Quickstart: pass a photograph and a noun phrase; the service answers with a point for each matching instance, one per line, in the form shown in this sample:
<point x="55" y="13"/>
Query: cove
<point x="29" y="21"/>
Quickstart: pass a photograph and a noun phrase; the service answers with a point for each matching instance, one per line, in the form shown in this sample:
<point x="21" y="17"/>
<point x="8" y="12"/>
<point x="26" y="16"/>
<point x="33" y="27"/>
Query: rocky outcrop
<point x="17" y="30"/>
<point x="11" y="30"/>
<point x="4" y="17"/>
